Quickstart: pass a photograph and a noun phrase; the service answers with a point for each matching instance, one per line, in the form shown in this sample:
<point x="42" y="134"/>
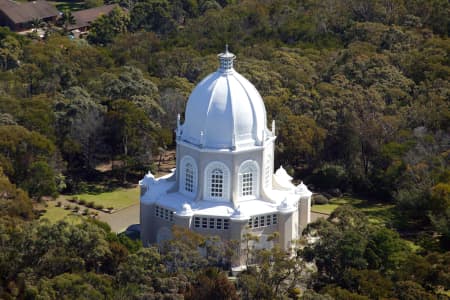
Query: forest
<point x="360" y="93"/>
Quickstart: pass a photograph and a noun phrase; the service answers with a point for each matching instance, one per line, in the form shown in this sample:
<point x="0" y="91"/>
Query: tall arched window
<point x="216" y="183"/>
<point x="189" y="178"/>
<point x="217" y="187"/>
<point x="248" y="179"/>
<point x="188" y="183"/>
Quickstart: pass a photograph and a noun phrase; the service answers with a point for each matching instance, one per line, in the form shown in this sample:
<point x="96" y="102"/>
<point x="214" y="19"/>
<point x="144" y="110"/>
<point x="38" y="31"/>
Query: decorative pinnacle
<point x="226" y="60"/>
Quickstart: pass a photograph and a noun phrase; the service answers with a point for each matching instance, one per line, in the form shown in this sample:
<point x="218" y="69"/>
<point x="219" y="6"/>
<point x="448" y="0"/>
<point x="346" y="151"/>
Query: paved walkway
<point x="120" y="220"/>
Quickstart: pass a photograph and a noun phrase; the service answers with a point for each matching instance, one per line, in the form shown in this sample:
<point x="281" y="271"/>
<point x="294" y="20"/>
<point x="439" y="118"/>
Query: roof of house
<point x="27" y="11"/>
<point x="83" y="18"/>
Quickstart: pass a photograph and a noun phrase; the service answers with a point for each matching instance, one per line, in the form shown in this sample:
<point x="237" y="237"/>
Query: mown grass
<point x="69" y="5"/>
<point x="377" y="212"/>
<point x="117" y="199"/>
<point x="324" y="208"/>
<point x="55" y="214"/>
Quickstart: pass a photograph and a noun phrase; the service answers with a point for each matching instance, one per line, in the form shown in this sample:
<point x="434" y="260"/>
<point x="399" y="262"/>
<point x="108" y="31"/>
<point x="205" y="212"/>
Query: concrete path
<point x="120" y="220"/>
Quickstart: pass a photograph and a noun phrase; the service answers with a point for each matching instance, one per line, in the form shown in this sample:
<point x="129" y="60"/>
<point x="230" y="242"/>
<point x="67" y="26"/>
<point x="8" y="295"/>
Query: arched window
<point x="217" y="186"/>
<point x="217" y="183"/>
<point x="248" y="179"/>
<point x="189" y="178"/>
<point x="188" y="183"/>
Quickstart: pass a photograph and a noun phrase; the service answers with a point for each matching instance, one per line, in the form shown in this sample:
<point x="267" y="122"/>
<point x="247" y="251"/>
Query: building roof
<point x="23" y="12"/>
<point x="85" y="17"/>
<point x="225" y="111"/>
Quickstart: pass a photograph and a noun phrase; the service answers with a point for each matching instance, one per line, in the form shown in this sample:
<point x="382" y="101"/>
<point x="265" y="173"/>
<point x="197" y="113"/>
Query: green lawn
<point x="324" y="208"/>
<point x="378" y="213"/>
<point x="69" y="5"/>
<point x="118" y="199"/>
<point x="55" y="214"/>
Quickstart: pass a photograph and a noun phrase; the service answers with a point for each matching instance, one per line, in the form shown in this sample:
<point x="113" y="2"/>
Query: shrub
<point x="68" y="207"/>
<point x="111" y="208"/>
<point x="85" y="211"/>
<point x="320" y="199"/>
<point x="98" y="206"/>
<point x="335" y="192"/>
<point x="76" y="208"/>
<point x="82" y="202"/>
<point x="90" y="204"/>
<point x="326" y="195"/>
<point x="73" y="199"/>
<point x="102" y="225"/>
<point x="58" y="204"/>
<point x="330" y="177"/>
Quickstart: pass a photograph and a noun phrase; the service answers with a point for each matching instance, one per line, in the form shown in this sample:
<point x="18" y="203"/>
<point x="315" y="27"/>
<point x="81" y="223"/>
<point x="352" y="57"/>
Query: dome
<point x="225" y="111"/>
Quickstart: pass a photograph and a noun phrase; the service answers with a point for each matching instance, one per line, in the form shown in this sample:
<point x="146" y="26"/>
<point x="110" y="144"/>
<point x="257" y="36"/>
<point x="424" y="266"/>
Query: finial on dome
<point x="226" y="60"/>
<point x="202" y="138"/>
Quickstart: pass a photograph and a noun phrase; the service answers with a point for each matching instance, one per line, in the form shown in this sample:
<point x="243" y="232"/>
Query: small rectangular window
<point x="256" y="222"/>
<point x="219" y="223"/>
<point x="171" y="216"/>
<point x="268" y="220"/>
<point x="204" y="223"/>
<point x="211" y="223"/>
<point x="262" y="220"/>
<point x="274" y="219"/>
<point x="226" y="224"/>
<point x="250" y="223"/>
<point x="197" y="222"/>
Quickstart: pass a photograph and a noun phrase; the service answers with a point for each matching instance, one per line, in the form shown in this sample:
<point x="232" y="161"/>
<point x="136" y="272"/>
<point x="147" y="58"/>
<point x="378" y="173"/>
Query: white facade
<point x="224" y="182"/>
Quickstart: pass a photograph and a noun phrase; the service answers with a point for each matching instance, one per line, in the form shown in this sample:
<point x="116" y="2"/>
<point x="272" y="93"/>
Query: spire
<point x="226" y="60"/>
<point x="178" y="130"/>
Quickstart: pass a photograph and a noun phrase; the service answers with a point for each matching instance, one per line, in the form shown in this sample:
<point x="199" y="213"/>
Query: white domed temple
<point x="224" y="183"/>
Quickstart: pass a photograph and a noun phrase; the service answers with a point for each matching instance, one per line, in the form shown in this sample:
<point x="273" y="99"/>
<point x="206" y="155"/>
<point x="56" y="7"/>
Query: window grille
<point x="217" y="183"/>
<point x="226" y="224"/>
<point x="188" y="175"/>
<point x="189" y="179"/>
<point x="212" y="223"/>
<point x="248" y="179"/>
<point x="164" y="213"/>
<point x="262" y="221"/>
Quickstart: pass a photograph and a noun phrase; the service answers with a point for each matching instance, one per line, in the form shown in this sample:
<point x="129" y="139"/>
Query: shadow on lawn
<point x="94" y="182"/>
<point x="380" y="213"/>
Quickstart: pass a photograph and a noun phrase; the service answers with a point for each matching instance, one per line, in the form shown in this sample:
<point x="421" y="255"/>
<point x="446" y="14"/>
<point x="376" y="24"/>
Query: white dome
<point x="225" y="110"/>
